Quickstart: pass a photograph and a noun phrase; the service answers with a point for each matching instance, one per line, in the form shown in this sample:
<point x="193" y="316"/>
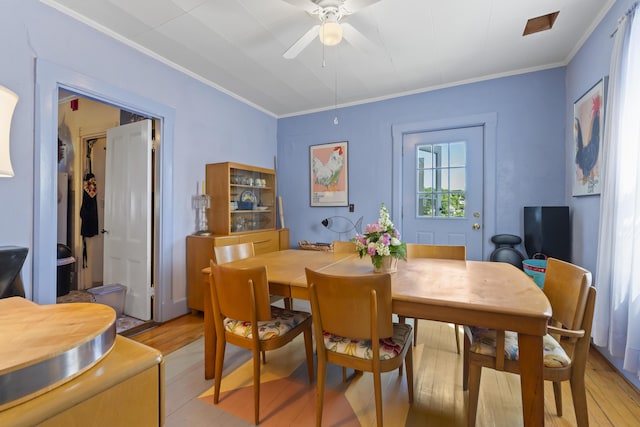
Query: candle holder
<point x="201" y="203"/>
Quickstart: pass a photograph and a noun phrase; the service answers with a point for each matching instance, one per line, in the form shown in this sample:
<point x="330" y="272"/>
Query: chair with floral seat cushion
<point x="353" y="328"/>
<point x="565" y="347"/>
<point x="235" y="252"/>
<point x="229" y="253"/>
<point x="441" y="252"/>
<point x="243" y="316"/>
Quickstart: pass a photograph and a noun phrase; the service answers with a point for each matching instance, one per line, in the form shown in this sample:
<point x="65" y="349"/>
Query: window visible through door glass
<point x="441" y="179"/>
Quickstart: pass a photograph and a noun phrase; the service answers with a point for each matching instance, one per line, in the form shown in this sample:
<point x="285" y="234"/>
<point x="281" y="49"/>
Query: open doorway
<point x="51" y="77"/>
<point x="83" y="128"/>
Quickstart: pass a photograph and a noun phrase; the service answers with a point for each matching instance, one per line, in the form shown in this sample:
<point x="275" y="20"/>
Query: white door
<point x="127" y="215"/>
<point x="442" y="188"/>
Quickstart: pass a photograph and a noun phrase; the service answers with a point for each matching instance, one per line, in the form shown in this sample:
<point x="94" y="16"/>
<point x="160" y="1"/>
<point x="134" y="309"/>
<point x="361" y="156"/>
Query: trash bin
<point x="112" y="295"/>
<point x="65" y="267"/>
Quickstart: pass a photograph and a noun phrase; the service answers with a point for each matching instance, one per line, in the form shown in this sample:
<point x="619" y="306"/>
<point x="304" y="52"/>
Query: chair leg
<point x="344" y="374"/>
<point x="465" y="363"/>
<point x="308" y="345"/>
<point x="220" y="346"/>
<point x="377" y="392"/>
<point x="579" y="401"/>
<point x="415" y="331"/>
<point x="288" y="303"/>
<point x="264" y="357"/>
<point x="256" y="387"/>
<point x="408" y="360"/>
<point x="322" y="374"/>
<point x="456" y="330"/>
<point x="475" y="372"/>
<point x="557" y="393"/>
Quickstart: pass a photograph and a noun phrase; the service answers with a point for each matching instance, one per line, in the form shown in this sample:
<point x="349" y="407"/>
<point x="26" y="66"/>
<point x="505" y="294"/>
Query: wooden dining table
<point x="487" y="294"/>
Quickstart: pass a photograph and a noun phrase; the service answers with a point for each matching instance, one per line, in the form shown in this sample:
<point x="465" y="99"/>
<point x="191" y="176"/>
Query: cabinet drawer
<point x="263" y="242"/>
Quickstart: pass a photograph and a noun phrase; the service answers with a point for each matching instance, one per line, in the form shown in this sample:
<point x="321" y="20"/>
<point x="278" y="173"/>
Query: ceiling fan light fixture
<point x="330" y="33"/>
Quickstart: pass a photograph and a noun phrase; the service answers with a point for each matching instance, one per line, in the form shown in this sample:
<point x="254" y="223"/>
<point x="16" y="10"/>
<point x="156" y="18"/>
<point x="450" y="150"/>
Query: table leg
<point x="531" y="379"/>
<point x="209" y="334"/>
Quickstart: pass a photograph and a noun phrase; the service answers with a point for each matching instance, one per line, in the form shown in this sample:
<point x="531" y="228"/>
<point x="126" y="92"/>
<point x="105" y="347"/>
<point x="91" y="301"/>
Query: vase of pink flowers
<point x="381" y="241"/>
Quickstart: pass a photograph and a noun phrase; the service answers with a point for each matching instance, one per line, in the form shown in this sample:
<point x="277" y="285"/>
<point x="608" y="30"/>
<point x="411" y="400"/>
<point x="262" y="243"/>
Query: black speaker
<point x="547" y="230"/>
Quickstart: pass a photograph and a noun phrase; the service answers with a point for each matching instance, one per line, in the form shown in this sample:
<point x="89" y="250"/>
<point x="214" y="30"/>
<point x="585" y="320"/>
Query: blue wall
<point x="210" y="126"/>
<point x="534" y="147"/>
<point x="529" y="149"/>
<point x="589" y="65"/>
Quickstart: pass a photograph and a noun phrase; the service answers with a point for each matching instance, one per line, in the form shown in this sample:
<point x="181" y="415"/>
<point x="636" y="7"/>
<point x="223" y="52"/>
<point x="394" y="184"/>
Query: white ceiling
<point x="418" y="45"/>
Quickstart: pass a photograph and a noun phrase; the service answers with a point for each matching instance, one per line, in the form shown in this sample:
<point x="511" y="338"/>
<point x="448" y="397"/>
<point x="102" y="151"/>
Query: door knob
<point x="103" y="231"/>
<point x="476" y="226"/>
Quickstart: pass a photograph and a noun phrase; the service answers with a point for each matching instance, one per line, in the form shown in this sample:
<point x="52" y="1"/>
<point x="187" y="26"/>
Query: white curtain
<point x="617" y="316"/>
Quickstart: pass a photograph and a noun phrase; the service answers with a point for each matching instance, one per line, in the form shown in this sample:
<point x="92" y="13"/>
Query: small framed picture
<point x="329" y="177"/>
<point x="588" y="139"/>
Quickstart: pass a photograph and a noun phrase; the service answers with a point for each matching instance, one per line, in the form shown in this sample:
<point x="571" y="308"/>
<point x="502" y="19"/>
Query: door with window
<point x="442" y="188"/>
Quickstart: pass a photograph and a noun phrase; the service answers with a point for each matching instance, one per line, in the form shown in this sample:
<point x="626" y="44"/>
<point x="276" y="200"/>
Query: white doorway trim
<point x="49" y="78"/>
<point x="489" y="122"/>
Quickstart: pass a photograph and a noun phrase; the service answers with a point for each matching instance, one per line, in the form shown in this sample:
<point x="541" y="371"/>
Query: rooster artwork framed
<point x="328" y="165"/>
<point x="588" y="134"/>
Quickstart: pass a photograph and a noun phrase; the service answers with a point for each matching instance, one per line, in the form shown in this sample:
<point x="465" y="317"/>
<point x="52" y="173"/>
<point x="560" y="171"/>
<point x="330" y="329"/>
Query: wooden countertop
<point x="44" y="346"/>
<point x="127" y="359"/>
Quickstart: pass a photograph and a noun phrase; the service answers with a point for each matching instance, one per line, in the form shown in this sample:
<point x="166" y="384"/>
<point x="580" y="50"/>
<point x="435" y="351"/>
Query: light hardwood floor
<point x="439" y="399"/>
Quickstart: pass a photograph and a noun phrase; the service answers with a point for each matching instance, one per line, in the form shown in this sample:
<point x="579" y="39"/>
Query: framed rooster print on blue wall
<point x="588" y="139"/>
<point x="329" y="179"/>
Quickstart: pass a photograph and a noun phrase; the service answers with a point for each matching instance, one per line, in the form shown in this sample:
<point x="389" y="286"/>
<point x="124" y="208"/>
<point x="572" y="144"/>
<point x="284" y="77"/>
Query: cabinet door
<point x="199" y="254"/>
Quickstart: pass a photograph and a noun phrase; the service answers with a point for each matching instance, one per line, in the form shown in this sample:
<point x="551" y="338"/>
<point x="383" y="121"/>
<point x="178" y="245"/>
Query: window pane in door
<point x="458" y="154"/>
<point x="425" y="180"/>
<point x="441" y="179"/>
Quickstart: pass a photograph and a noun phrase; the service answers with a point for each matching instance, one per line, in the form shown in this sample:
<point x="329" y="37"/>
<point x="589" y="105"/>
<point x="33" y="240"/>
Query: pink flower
<point x="373" y="228"/>
<point x="372" y="250"/>
<point x="385" y="239"/>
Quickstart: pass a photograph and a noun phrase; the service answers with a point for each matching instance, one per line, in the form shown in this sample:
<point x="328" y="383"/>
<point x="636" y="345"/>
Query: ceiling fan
<point x="330" y="30"/>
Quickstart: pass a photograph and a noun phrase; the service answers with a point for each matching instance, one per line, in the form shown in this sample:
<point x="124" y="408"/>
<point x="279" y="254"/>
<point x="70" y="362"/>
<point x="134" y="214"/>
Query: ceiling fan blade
<point x="302" y="42"/>
<point x="307" y="5"/>
<point x="356" y="38"/>
<point x="356" y="5"/>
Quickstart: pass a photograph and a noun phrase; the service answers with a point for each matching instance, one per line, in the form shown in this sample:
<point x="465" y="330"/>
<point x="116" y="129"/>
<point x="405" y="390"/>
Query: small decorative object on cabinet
<point x="243" y="198"/>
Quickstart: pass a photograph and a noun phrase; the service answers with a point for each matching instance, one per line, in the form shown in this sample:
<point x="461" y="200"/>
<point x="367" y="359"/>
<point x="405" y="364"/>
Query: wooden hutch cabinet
<point x="243" y="198"/>
<point x="243" y="209"/>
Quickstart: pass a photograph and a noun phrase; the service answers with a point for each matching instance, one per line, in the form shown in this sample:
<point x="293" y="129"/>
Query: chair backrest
<point x="224" y="254"/>
<point x="415" y="250"/>
<point x="567" y="286"/>
<point x="344" y="303"/>
<point x="342" y="247"/>
<point x="234" y="291"/>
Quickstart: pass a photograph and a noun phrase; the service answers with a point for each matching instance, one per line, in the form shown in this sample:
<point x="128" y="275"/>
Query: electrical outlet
<point x="351" y="207"/>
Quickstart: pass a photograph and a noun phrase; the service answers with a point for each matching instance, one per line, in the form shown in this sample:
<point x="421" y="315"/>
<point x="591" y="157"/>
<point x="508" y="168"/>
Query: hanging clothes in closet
<point x="89" y="208"/>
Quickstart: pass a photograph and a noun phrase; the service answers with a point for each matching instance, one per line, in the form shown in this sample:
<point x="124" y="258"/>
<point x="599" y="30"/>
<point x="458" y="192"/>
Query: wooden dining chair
<point x="342" y="247"/>
<point x="243" y="316"/>
<point x="566" y="345"/>
<point x="225" y="254"/>
<point x="229" y="253"/>
<point x="353" y="328"/>
<point x="436" y="251"/>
